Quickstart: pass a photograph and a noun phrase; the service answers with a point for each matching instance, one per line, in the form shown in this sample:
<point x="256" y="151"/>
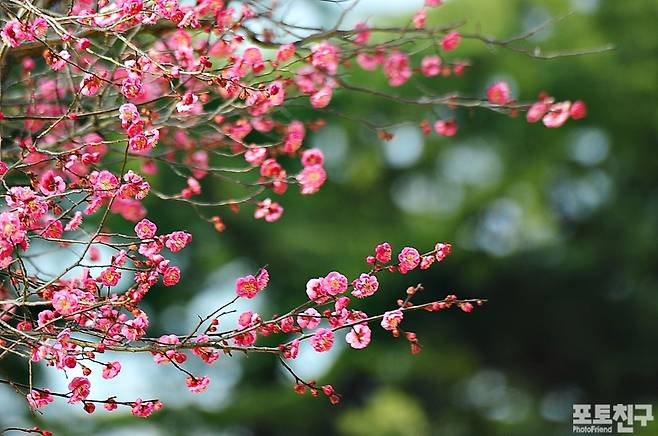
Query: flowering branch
<point x="97" y="97"/>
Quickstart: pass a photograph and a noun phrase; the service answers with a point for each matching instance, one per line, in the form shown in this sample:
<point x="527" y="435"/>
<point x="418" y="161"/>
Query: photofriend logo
<point x="610" y="418"/>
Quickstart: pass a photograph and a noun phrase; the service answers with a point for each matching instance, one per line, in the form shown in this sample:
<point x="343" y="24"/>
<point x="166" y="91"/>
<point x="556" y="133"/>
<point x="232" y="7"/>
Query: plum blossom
<point x="383" y="252"/>
<point x="409" y="259"/>
<point x="359" y="336"/>
<point x="39" y="398"/>
<point x="578" y="110"/>
<point x="312" y="157"/>
<point x="309" y="319"/>
<point x="451" y="41"/>
<point x="197" y="384"/>
<point x="142" y="409"/>
<point x="268" y="209"/>
<point x="557" y="114"/>
<point x="176" y="241"/>
<point x="322" y="340"/>
<point x="325" y="56"/>
<point x="145" y="229"/>
<point x="446" y="127"/>
<point x="498" y="93"/>
<point x="79" y="388"/>
<point x="311" y="179"/>
<point x="334" y="283"/>
<point x="65" y="302"/>
<point x="365" y="286"/>
<point x="90" y="84"/>
<point x="249" y="286"/>
<point x="419" y="19"/>
<point x="430" y="66"/>
<point x="208" y="355"/>
<point x="397" y="68"/>
<point x="171" y="276"/>
<point x="392" y="319"/>
<point x="109" y="277"/>
<point x="111" y="369"/>
<point x="187" y="103"/>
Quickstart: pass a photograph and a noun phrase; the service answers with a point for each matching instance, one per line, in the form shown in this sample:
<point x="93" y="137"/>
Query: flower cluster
<point x="107" y="98"/>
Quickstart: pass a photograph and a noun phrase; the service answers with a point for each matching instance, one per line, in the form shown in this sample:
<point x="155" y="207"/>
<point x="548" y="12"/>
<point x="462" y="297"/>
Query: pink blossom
<point x="176" y="241"/>
<point x="38" y="28"/>
<point x="322" y="97"/>
<point x="269" y="210"/>
<point x="60" y="60"/>
<point x="311" y="179"/>
<point x="292" y="350"/>
<point x="254" y="58"/>
<point x="11" y="228"/>
<point x="295" y="133"/>
<point x="128" y="115"/>
<point x="383" y="252"/>
<point x="187" y="103"/>
<point x="207" y="354"/>
<point x="262" y="279"/>
<point x="246" y="287"/>
<point x="79" y="388"/>
<point x="285" y="52"/>
<point x="365" y="286"/>
<point x="111" y="369"/>
<point x="312" y="157"/>
<point x="171" y="276"/>
<point x="392" y="319"/>
<point x="309" y="319"/>
<point x="578" y="110"/>
<point x="65" y="302"/>
<point x="44" y="320"/>
<point x="426" y="262"/>
<point x="51" y="184"/>
<point x="255" y="156"/>
<point x="169" y="355"/>
<point x="132" y="88"/>
<point x="109" y="277"/>
<point x="362" y="32"/>
<point x="451" y="41"/>
<point x="142" y="409"/>
<point x="249" y="319"/>
<point x="442" y="250"/>
<point x="197" y="384"/>
<point x="409" y="259"/>
<point x="419" y="19"/>
<point x="446" y="127"/>
<point x="245" y="339"/>
<point x="359" y="336"/>
<point x="334" y="283"/>
<point x="430" y="66"/>
<point x="13" y="33"/>
<point x="368" y="62"/>
<point x="322" y="340"/>
<point x="325" y="56"/>
<point x="557" y="115"/>
<point x="39" y="398"/>
<point x="397" y="68"/>
<point x="433" y="3"/>
<point x="314" y="289"/>
<point x="498" y="93"/>
<point x="538" y="110"/>
<point x="104" y="182"/>
<point x="145" y="229"/>
<point x="90" y="84"/>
